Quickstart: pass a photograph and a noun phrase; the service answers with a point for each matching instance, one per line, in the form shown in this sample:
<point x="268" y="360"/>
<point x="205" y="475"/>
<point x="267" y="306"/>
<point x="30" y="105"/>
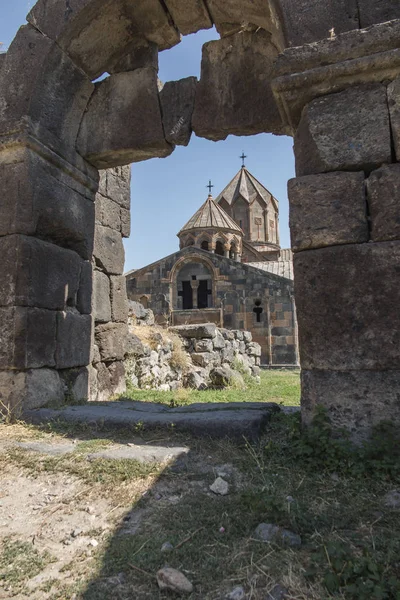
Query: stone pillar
<point x="227" y="250"/>
<point x="346" y="289"/>
<point x="344" y="230"/>
<point x="46" y="226"/>
<point x="195" y="289"/>
<point x="110" y="305"/>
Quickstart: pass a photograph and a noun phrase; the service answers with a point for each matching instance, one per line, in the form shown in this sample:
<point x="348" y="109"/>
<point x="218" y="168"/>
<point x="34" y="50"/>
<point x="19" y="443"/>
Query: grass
<point x="20" y="561"/>
<point x="309" y="482"/>
<point x="351" y="541"/>
<point x="282" y="387"/>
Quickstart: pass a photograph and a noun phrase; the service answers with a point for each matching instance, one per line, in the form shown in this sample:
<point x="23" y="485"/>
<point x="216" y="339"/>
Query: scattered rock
<point x="267" y="532"/>
<point x="237" y="593"/>
<point x="392" y="499"/>
<point x="93" y="543"/>
<point x="76" y="533"/>
<point x="167" y="547"/>
<point x="220" y="487"/>
<point x="278" y="592"/>
<point x="174" y="580"/>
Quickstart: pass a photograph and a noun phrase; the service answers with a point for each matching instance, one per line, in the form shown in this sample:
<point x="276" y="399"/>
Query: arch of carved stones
<point x="328" y="76"/>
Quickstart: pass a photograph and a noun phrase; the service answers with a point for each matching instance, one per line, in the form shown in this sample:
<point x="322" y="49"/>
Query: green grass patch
<point x="282" y="387"/>
<point x="20" y="561"/>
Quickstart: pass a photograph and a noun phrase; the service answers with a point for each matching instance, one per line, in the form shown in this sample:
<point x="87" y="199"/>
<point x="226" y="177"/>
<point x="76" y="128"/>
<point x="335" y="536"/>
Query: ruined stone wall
<point x="236" y="288"/>
<point x="345" y="236"/>
<point x="110" y="308"/>
<point x="188" y="356"/>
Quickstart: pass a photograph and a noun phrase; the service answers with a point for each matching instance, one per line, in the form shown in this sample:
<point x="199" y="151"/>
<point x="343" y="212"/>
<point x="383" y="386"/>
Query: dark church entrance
<point x="187" y="295"/>
<point x="202" y="294"/>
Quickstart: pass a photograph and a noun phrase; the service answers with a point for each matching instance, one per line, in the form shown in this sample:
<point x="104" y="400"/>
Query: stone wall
<point x="192" y="356"/>
<point x="338" y="96"/>
<point x="110" y="307"/>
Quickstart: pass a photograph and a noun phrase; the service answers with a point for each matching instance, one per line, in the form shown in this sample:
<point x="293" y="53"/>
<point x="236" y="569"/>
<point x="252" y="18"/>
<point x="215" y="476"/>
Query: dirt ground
<point x="85" y="514"/>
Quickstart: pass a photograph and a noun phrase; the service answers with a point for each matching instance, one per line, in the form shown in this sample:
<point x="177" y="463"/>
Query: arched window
<point x="219" y="249"/>
<point x="204" y="245"/>
<point x="233" y="251"/>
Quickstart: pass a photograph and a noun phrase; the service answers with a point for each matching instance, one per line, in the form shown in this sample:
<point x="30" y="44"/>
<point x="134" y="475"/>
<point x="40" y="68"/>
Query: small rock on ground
<point x="278" y="592"/>
<point x="167" y="547"/>
<point x="237" y="593"/>
<point x="267" y="532"/>
<point x="174" y="580"/>
<point x="220" y="487"/>
<point x="392" y="499"/>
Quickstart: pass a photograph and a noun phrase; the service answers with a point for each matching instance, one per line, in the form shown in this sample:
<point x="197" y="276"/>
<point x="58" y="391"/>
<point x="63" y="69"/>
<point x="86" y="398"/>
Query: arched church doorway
<point x="194" y="287"/>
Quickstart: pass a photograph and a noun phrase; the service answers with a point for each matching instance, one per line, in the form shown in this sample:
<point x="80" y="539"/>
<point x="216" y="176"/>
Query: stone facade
<point x="239" y="297"/>
<point x="317" y="75"/>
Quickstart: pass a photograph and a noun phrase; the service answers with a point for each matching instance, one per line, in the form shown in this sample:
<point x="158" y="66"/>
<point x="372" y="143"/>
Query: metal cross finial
<point x="210" y="187"/>
<point x="243" y="157"/>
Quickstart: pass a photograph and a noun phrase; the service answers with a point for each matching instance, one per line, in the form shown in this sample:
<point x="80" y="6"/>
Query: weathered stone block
<point x="230" y="68"/>
<point x="125" y="223"/>
<point x="36" y="273"/>
<point x="383" y="192"/>
<point x="123" y="22"/>
<point x="27" y="338"/>
<point x="123" y="121"/>
<point x="377" y="11"/>
<point x="31" y="389"/>
<point x="51" y="95"/>
<point x="37" y="198"/>
<point x="231" y="16"/>
<point x="112" y="340"/>
<point x="118" y="186"/>
<point x="101" y="297"/>
<point x="74" y="335"/>
<point x="344" y="132"/>
<point x="206" y="330"/>
<point x="108" y="213"/>
<point x="76" y="384"/>
<point x="189" y="15"/>
<point x="348" y="315"/>
<point x="308" y="21"/>
<point x="327" y="210"/>
<point x="85" y="291"/>
<point x="206" y="359"/>
<point x="119" y="299"/>
<point x="393" y="92"/>
<point x="110" y="380"/>
<point x="177" y="103"/>
<point x="109" y="251"/>
<point x="203" y="346"/>
<point x="142" y="56"/>
<point x="354" y="400"/>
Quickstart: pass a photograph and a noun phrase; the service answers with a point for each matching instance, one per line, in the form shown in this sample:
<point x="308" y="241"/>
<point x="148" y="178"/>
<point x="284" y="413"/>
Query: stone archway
<point x="57" y="129"/>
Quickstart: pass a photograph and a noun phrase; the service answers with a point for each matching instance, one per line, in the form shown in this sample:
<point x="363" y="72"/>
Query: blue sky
<point x="166" y="192"/>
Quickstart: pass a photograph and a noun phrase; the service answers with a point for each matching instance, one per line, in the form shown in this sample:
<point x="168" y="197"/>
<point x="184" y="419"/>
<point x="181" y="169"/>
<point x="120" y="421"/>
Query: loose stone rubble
<point x="192" y="356"/>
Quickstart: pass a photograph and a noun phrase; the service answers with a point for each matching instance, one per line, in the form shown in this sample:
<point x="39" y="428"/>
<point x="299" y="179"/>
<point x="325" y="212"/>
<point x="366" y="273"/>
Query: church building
<point x="230" y="270"/>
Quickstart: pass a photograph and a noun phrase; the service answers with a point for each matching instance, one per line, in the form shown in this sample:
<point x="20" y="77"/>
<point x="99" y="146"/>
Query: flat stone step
<point x="235" y="420"/>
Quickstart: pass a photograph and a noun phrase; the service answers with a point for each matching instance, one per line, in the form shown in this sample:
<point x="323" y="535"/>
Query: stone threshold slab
<point x="235" y="420"/>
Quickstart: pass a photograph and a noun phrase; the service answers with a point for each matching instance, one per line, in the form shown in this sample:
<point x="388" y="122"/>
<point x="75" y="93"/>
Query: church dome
<point x="212" y="229"/>
<point x="211" y="216"/>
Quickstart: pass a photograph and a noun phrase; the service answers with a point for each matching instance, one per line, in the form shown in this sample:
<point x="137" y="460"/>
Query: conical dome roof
<point x="244" y="184"/>
<point x="211" y="216"/>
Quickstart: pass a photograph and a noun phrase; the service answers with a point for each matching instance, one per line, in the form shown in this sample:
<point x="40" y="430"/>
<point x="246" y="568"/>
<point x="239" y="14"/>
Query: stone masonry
<point x="317" y="75"/>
